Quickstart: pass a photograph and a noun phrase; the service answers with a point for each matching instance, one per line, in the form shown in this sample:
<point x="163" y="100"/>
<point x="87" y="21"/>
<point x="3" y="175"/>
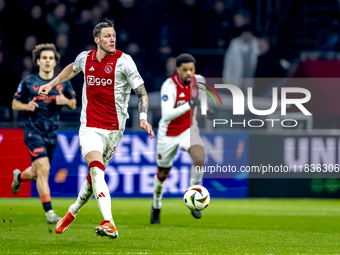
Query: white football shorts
<point x="167" y="145"/>
<point x="102" y="140"/>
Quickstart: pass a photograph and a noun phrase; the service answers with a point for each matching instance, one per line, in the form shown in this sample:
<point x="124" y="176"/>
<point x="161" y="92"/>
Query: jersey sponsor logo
<point x="165" y="98"/>
<point x="92" y="80"/>
<point x="35" y="88"/>
<point x="181" y="95"/>
<point x="46" y="99"/>
<point x="108" y="69"/>
<point x="91" y="69"/>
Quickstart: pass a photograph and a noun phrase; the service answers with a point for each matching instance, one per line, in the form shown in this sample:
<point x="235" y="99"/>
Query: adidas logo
<point x="101" y="194"/>
<point x="91" y="69"/>
<point x="181" y="95"/>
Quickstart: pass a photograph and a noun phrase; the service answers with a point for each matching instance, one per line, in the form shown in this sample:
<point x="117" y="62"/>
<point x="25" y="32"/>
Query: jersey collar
<point x="107" y="57"/>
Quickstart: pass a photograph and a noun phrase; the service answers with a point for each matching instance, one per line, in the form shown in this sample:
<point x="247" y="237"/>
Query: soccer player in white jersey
<point x="178" y="128"/>
<point x="109" y="75"/>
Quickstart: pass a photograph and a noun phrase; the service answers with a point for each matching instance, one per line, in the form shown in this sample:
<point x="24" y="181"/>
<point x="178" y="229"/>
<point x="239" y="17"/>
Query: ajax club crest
<point x="108" y="69"/>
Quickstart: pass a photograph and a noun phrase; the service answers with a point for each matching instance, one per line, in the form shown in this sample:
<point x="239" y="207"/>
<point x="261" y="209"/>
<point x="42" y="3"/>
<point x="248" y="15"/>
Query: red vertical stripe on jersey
<point x="183" y="122"/>
<point x="100" y="83"/>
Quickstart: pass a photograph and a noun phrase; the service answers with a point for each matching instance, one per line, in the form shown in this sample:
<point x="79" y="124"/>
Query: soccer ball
<point x="196" y="198"/>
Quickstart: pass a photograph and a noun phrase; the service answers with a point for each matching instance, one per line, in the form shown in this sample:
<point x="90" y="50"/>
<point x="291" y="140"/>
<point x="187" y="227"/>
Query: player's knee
<point x="34" y="175"/>
<point x="163" y="173"/>
<point x="43" y="171"/>
<point x="199" y="161"/>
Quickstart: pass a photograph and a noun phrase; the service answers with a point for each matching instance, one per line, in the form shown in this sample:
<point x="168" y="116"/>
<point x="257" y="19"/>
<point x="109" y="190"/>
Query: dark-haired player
<point x="41" y="122"/>
<point x="178" y="128"/>
<point x="109" y="75"/>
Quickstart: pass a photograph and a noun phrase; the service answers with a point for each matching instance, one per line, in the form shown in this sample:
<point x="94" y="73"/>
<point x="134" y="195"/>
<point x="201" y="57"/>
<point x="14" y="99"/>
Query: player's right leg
<point x="84" y="196"/>
<point x="159" y="178"/>
<point x="166" y="150"/>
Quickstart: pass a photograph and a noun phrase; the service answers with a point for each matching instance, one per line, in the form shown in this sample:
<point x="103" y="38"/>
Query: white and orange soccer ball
<point x="196" y="198"/>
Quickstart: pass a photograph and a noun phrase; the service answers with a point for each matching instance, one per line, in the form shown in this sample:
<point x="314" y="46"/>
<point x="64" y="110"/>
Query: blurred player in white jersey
<point x="109" y="75"/>
<point x="178" y="128"/>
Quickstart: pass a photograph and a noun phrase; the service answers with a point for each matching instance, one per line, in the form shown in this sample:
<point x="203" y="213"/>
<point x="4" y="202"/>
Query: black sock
<point x="19" y="178"/>
<point x="47" y="206"/>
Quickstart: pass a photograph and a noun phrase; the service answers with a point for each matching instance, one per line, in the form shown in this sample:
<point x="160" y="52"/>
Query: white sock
<point x="101" y="192"/>
<point x="84" y="195"/>
<point x="157" y="193"/>
<point x="195" y="175"/>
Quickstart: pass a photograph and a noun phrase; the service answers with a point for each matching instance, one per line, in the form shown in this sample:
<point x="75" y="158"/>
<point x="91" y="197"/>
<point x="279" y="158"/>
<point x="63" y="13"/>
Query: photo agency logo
<point x="238" y="106"/>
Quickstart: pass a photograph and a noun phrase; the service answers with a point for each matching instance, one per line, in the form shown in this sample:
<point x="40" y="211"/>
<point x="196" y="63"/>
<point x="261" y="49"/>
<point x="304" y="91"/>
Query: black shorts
<point x="40" y="146"/>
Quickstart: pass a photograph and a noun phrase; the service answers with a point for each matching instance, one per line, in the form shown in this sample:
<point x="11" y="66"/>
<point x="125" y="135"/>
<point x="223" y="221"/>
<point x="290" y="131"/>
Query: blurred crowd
<point x="153" y="32"/>
<point x="221" y="34"/>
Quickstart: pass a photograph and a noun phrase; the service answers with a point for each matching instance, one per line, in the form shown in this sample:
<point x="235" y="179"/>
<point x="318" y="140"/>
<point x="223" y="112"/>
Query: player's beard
<point x="186" y="81"/>
<point x="107" y="51"/>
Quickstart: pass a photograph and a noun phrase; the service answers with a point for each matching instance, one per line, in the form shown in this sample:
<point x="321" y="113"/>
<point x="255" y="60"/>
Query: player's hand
<point x="194" y="102"/>
<point x="61" y="99"/>
<point x="145" y="125"/>
<point x="45" y="89"/>
<point x="32" y="105"/>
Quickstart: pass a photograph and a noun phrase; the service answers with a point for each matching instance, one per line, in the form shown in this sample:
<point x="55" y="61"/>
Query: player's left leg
<point x="192" y="142"/>
<point x="20" y="177"/>
<point x="97" y="162"/>
<point x="197" y="154"/>
<point x="102" y="194"/>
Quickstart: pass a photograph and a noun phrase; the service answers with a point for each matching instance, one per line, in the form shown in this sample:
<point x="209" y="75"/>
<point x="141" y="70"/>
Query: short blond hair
<point x="41" y="47"/>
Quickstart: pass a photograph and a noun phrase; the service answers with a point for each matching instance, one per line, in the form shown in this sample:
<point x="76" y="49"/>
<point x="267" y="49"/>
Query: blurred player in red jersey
<point x="178" y="128"/>
<point x="109" y="75"/>
<point x="41" y="122"/>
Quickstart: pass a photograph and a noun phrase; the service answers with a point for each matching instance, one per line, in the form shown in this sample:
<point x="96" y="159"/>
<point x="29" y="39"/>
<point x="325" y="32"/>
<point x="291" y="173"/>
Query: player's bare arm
<point x="143" y="105"/>
<point x="19" y="106"/>
<point x="66" y="74"/>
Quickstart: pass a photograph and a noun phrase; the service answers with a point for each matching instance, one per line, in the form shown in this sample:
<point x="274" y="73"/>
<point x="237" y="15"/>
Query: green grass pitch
<point x="249" y="226"/>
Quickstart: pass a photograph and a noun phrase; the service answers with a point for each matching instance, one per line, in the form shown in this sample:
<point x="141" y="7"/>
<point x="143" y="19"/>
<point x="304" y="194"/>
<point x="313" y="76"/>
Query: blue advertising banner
<point x="133" y="166"/>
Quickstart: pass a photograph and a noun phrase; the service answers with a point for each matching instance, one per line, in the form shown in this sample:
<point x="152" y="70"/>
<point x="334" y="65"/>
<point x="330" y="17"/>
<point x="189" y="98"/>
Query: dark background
<point x="155" y="31"/>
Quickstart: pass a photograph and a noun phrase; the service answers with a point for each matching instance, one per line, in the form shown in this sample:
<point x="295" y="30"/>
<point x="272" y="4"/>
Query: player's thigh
<point x="90" y="140"/>
<point x="41" y="166"/>
<point x="111" y="140"/>
<point x="189" y="138"/>
<point x="166" y="150"/>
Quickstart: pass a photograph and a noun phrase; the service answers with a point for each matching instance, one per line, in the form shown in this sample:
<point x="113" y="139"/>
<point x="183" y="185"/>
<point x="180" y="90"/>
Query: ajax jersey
<point x="176" y="113"/>
<point x="107" y="87"/>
